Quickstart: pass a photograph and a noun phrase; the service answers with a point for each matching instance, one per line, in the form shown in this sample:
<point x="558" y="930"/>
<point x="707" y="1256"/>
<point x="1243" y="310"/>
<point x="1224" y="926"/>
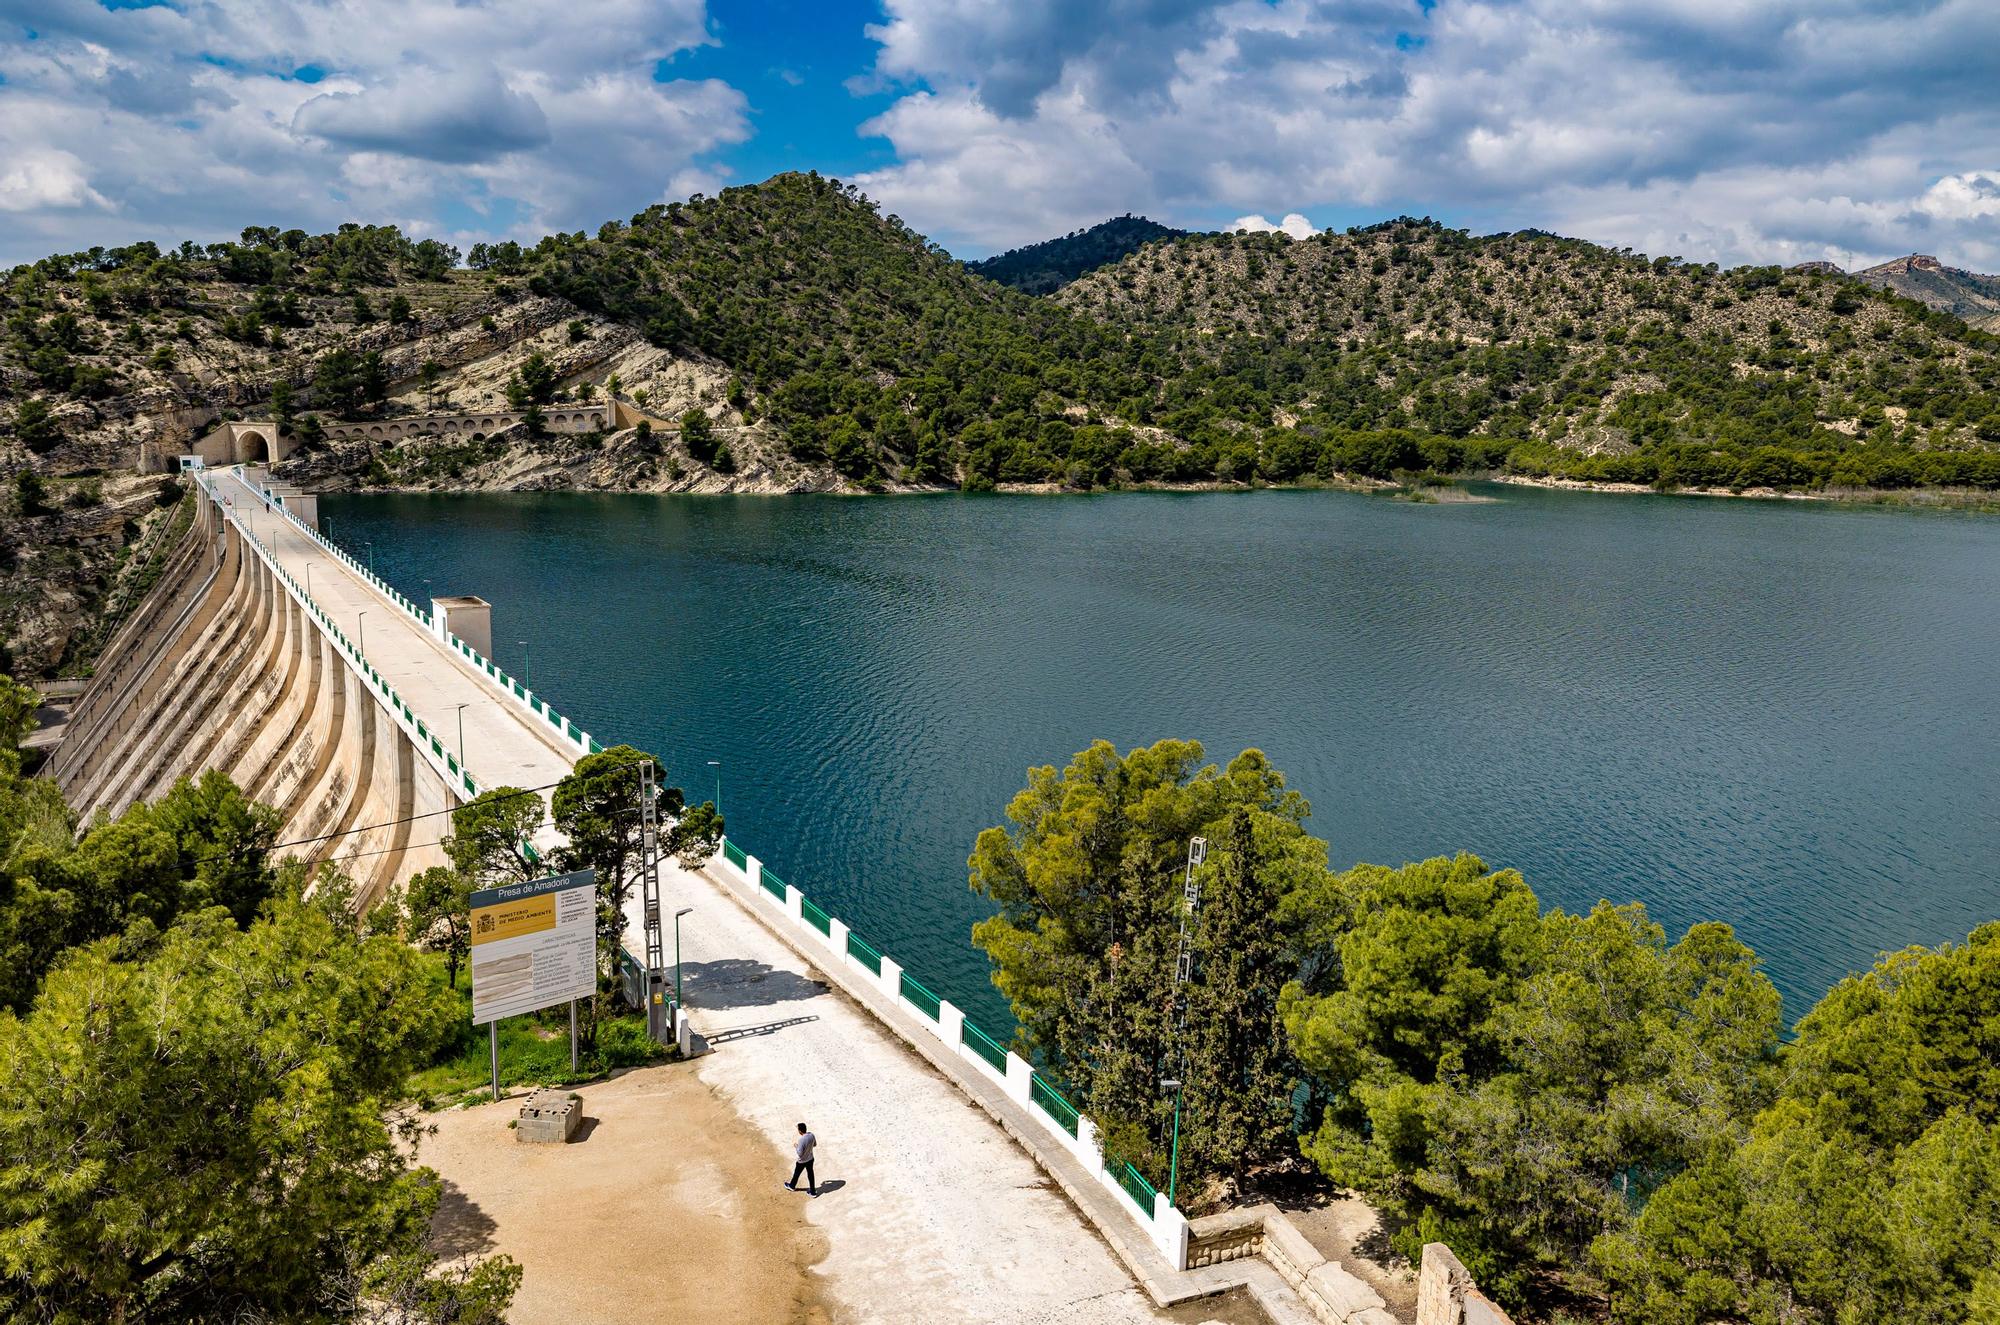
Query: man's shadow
<point x="832" y="1185"/>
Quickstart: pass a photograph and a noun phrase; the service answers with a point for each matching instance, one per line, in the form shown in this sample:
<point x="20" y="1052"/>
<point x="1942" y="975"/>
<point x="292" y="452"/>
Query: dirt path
<point x="665" y="1210"/>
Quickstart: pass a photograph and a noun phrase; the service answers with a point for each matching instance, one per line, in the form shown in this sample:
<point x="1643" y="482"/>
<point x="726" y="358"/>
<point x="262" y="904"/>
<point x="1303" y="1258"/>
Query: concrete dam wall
<point x="227" y="665"/>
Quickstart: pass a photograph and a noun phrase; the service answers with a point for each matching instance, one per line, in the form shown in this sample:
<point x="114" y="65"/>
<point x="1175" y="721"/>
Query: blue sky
<point x="1726" y="130"/>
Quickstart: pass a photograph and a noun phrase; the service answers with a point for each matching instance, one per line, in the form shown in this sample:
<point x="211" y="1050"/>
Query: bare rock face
<point x="1966" y="294"/>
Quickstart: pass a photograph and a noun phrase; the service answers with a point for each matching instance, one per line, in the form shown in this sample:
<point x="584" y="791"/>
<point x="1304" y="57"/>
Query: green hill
<point x="1046" y="267"/>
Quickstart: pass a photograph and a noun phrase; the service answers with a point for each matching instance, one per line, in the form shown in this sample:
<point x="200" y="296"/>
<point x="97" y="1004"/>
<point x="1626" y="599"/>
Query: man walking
<point x="803" y="1149"/>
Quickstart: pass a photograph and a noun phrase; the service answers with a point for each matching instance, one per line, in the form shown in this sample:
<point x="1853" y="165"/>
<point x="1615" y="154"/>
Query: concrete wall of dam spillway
<point x="225" y="666"/>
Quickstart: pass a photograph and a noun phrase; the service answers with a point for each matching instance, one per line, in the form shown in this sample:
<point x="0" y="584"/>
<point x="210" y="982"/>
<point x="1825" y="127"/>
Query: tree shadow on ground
<point x="740" y="982"/>
<point x="460" y="1227"/>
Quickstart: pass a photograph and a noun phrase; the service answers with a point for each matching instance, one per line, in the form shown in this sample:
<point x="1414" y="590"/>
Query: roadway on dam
<point x="504" y="745"/>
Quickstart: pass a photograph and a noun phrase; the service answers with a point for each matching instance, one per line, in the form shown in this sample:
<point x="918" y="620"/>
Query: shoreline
<point x="1954" y="499"/>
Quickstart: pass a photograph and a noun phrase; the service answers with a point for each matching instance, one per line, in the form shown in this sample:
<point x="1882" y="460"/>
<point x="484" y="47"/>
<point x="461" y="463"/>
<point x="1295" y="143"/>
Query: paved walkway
<point x="931" y="1212"/>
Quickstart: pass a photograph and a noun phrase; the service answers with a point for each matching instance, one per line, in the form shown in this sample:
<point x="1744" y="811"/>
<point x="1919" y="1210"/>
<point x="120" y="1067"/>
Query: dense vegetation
<point x="1401" y="347"/>
<point x="1046" y="267"/>
<point x="206" y="1053"/>
<point x="1582" y="1109"/>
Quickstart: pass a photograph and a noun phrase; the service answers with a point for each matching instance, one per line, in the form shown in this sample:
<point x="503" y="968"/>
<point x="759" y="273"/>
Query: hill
<point x="1046" y="267"/>
<point x="1555" y="356"/>
<point x="829" y="346"/>
<point x="1964" y="294"/>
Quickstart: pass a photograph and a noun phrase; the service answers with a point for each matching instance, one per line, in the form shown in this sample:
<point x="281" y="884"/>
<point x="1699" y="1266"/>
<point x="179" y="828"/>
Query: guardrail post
<point x="836" y="936"/>
<point x="1020" y="1072"/>
<point x="1088" y="1148"/>
<point x="793" y="907"/>
<point x="892" y="977"/>
<point x="753" y="870"/>
<point x="1170" y="1232"/>
<point x="950" y="1025"/>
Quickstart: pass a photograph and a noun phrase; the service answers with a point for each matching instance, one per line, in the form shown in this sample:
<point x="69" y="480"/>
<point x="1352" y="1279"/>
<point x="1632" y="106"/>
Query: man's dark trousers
<point x="806" y="1168"/>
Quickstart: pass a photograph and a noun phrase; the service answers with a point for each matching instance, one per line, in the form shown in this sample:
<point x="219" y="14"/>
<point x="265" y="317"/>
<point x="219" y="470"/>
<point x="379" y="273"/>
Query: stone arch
<point x="253" y="447"/>
<point x="375" y="431"/>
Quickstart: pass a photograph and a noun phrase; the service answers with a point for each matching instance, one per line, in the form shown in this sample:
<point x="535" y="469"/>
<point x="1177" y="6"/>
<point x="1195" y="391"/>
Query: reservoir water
<point x="1774" y="714"/>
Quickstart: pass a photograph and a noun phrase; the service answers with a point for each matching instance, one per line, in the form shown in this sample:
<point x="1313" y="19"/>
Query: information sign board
<point x="534" y="945"/>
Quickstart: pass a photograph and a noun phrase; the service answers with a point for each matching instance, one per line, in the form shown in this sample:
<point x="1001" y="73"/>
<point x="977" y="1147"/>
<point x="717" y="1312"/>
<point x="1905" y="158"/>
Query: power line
<point x="432" y="814"/>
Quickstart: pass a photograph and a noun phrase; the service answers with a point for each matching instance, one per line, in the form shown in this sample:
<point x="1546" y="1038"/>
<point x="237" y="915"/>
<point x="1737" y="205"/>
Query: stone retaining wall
<point x="1334" y="1296"/>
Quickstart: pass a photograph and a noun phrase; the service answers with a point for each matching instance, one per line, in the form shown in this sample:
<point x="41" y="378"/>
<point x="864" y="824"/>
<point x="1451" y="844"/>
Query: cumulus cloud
<point x="1295" y="225"/>
<point x="34" y="179"/>
<point x="1728" y="131"/>
<point x="460" y="118"/>
<point x="511" y="117"/>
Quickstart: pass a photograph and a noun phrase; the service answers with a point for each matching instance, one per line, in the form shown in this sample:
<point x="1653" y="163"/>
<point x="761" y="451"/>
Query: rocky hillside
<point x="1964" y="294"/>
<point x="787" y="336"/>
<point x="1046" y="267"/>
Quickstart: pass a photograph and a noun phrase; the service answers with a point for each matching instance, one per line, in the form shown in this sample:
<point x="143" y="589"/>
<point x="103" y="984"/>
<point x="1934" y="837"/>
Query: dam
<point x="364" y="718"/>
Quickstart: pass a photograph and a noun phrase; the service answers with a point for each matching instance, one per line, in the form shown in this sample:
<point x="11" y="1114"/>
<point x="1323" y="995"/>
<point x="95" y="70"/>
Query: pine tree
<point x="1236" y="1070"/>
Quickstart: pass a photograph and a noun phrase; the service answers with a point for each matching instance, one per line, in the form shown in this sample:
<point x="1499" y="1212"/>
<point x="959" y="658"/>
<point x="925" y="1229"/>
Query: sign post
<point x="534" y="945"/>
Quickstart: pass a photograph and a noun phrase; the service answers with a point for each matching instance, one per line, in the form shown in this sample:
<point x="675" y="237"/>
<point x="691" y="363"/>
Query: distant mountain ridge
<point x="1048" y="266"/>
<point x="1965" y="294"/>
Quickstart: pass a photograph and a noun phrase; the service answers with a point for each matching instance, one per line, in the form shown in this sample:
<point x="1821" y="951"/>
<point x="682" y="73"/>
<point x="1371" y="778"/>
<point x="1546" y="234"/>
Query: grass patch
<point x="534" y="1051"/>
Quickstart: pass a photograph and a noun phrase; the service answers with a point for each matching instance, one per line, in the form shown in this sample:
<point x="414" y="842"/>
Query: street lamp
<point x="309" y="577"/>
<point x="524" y="665"/>
<point x="371" y="556"/>
<point x="677" y="954"/>
<point x="1174" y="1163"/>
<point x="361" y="629"/>
<point x="716" y="764"/>
<point x="461" y="733"/>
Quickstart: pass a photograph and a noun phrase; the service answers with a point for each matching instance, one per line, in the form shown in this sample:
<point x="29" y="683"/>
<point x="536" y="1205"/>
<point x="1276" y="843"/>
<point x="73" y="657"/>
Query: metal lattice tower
<point x="649" y="869"/>
<point x="1190" y="901"/>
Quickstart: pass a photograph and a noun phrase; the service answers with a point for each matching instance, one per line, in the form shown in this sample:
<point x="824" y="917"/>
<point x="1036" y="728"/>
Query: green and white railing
<point x="429" y="746"/>
<point x="1164" y="1226"/>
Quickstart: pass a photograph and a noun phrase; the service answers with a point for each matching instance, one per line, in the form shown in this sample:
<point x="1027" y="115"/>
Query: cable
<point x="432" y="814"/>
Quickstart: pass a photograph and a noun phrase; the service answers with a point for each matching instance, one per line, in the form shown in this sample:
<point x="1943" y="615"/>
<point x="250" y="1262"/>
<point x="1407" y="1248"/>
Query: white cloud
<point x="1735" y="130"/>
<point x="1295" y="225"/>
<point x="513" y="117"/>
<point x="36" y="179"/>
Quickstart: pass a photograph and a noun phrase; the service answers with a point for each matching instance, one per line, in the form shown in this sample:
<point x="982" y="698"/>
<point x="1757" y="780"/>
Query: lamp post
<point x="361" y="629"/>
<point x="524" y="665"/>
<point x="677" y="954"/>
<point x="461" y="734"/>
<point x="309" y="577"/>
<point x="716" y="764"/>
<point x="371" y="556"/>
<point x="1174" y="1161"/>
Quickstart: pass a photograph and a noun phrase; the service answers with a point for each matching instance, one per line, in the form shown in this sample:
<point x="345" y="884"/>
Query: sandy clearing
<point x="665" y="1210"/>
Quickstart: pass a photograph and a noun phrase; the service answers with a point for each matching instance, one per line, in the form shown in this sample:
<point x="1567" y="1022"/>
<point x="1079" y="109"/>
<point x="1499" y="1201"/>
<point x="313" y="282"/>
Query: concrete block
<point x="836" y="936"/>
<point x="1479" y="1310"/>
<point x="550" y="1117"/>
<point x="794" y="900"/>
<point x="892" y="978"/>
